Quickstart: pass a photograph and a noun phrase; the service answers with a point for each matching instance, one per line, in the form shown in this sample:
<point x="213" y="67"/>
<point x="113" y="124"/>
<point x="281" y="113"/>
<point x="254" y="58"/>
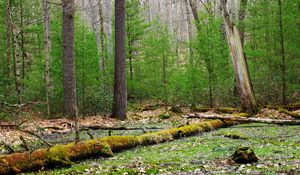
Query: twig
<point x="8" y="147"/>
<point x="90" y="134"/>
<point x="25" y="144"/>
<point x="37" y="136"/>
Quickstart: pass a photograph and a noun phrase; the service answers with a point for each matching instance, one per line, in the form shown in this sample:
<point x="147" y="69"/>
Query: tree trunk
<point x="282" y="54"/>
<point x="164" y="81"/>
<point x="242" y="76"/>
<point x="18" y="64"/>
<point x="195" y="13"/>
<point x="120" y="92"/>
<point x="47" y="50"/>
<point x="242" y="14"/>
<point x="102" y="38"/>
<point x="191" y="52"/>
<point x="97" y="34"/>
<point x="8" y="38"/>
<point x="70" y="99"/>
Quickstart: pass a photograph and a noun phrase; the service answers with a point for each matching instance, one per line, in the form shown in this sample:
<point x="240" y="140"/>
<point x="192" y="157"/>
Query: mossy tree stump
<point x="244" y="155"/>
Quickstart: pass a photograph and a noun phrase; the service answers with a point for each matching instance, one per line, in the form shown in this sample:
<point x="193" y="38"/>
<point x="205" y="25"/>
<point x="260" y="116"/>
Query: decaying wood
<point x="64" y="155"/>
<point x="241" y="71"/>
<point x="13" y="126"/>
<point x="245" y="119"/>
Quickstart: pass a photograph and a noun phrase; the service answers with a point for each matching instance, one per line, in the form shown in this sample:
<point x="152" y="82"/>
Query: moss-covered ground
<point x="278" y="149"/>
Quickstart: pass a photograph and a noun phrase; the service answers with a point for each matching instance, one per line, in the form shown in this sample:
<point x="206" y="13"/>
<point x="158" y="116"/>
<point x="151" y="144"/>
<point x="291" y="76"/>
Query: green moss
<point x="292" y="114"/>
<point x="242" y="115"/>
<point x="164" y="116"/>
<point x="196" y="109"/>
<point x="233" y="135"/>
<point x="227" y="110"/>
<point x="118" y="143"/>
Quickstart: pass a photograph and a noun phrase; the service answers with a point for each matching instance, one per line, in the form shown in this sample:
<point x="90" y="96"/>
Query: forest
<point x="149" y="87"/>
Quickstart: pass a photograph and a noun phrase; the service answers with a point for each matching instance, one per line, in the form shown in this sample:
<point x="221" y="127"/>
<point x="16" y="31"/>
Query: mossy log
<point x="64" y="155"/>
<point x="245" y="119"/>
<point x="220" y="110"/>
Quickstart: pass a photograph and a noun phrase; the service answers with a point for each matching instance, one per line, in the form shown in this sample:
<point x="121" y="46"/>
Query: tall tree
<point x="8" y="37"/>
<point x="242" y="76"/>
<point x="120" y="91"/>
<point x="47" y="49"/>
<point x="17" y="59"/>
<point x="191" y="52"/>
<point x="282" y="53"/>
<point x="70" y="100"/>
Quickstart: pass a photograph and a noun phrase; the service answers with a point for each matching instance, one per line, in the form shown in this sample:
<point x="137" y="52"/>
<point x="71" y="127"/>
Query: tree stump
<point x="244" y="155"/>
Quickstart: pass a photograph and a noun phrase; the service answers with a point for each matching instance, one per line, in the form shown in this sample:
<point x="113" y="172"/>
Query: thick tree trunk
<point x="68" y="55"/>
<point x="245" y="119"/>
<point x="70" y="99"/>
<point x="120" y="92"/>
<point x="47" y="50"/>
<point x="64" y="155"/>
<point x="242" y="76"/>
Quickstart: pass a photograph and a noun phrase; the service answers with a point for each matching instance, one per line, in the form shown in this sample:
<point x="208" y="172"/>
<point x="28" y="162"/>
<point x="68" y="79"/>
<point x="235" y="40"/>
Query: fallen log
<point x="245" y="119"/>
<point x="97" y="127"/>
<point x="64" y="155"/>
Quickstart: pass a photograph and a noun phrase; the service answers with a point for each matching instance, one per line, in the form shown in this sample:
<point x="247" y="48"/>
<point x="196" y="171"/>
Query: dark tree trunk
<point x="68" y="55"/>
<point x="120" y="92"/>
<point x="70" y="99"/>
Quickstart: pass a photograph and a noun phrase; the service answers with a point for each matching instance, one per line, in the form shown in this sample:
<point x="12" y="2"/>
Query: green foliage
<point x="197" y="72"/>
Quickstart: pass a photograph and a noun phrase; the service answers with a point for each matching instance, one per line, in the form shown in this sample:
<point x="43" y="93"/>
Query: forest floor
<point x="278" y="147"/>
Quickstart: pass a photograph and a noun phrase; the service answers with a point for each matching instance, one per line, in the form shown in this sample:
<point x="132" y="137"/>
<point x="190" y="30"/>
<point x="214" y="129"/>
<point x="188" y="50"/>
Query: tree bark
<point x="47" y="50"/>
<point x="120" y="91"/>
<point x="195" y="13"/>
<point x="97" y="33"/>
<point x="8" y="38"/>
<point x="17" y="60"/>
<point x="70" y="99"/>
<point x="102" y="38"/>
<point x="242" y="14"/>
<point x="242" y="76"/>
